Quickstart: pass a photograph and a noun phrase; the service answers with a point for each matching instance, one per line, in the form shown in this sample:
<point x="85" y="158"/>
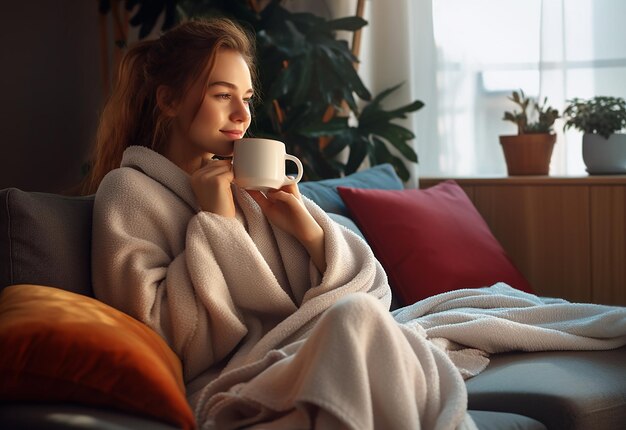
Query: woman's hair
<point x="131" y="115"/>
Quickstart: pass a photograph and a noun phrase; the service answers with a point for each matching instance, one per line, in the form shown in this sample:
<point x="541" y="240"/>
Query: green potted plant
<point x="600" y="118"/>
<point x="530" y="150"/>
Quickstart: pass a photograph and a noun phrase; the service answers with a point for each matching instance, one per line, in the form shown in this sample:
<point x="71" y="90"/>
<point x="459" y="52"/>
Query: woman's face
<point x="223" y="116"/>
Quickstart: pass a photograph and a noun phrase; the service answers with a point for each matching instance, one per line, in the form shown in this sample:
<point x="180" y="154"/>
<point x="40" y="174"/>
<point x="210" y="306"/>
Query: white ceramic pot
<point x="604" y="156"/>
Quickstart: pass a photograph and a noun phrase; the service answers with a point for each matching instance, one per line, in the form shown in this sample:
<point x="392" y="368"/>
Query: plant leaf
<point x="351" y="23"/>
<point x="337" y="144"/>
<point x="391" y="132"/>
<point x="358" y="151"/>
<point x="282" y="84"/>
<point x="335" y="126"/>
<point x="347" y="70"/>
<point x="376" y="101"/>
<point x="373" y="112"/>
<point x="403" y="110"/>
<point x="304" y="80"/>
<point x="407" y="151"/>
<point x="400" y="168"/>
<point x="380" y="151"/>
<point x="347" y="96"/>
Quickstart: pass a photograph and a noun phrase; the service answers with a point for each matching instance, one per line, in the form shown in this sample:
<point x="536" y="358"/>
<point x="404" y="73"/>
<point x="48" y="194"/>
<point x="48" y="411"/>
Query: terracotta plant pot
<point x="528" y="154"/>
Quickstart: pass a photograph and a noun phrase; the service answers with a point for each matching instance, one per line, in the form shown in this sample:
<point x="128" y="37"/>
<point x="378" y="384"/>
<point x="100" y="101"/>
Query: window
<point x="558" y="49"/>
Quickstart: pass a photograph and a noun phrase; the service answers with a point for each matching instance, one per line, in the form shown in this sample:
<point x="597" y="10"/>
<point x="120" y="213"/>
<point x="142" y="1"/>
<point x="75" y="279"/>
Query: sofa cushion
<point x="325" y="194"/>
<point x="430" y="241"/>
<point x="488" y="420"/>
<point x="45" y="239"/>
<point x="60" y="346"/>
<point x="564" y="389"/>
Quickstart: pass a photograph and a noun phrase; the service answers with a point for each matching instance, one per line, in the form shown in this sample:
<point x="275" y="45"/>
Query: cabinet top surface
<point x="531" y="180"/>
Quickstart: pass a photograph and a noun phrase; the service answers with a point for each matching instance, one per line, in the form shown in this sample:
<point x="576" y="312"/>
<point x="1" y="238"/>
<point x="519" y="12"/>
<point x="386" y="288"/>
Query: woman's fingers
<point x="211" y="186"/>
<point x="273" y="202"/>
<point x="279" y="195"/>
<point x="212" y="170"/>
<point x="208" y="165"/>
<point x="291" y="189"/>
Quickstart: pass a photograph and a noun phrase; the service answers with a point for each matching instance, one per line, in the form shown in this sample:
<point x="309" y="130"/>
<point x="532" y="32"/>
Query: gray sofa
<point x="45" y="240"/>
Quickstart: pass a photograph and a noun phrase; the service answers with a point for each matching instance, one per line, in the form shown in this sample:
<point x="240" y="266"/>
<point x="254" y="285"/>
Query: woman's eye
<point x="247" y="100"/>
<point x="223" y="96"/>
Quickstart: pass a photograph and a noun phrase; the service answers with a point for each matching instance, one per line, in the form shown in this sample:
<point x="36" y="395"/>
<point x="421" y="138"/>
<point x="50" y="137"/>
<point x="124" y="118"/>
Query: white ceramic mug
<point x="259" y="164"/>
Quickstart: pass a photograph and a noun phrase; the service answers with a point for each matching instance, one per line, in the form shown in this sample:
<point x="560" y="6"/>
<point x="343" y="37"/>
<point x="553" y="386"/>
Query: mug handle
<point x="289" y="181"/>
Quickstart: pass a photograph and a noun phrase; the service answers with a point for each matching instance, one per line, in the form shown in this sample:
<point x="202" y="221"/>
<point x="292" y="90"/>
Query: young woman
<point x="278" y="314"/>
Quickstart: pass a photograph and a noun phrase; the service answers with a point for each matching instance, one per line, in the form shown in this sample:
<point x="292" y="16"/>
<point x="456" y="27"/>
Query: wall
<point x="51" y="91"/>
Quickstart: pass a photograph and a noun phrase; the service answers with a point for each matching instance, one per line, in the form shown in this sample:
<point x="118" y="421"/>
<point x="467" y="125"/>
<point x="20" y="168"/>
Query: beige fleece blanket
<point x="267" y="342"/>
<point x="264" y="338"/>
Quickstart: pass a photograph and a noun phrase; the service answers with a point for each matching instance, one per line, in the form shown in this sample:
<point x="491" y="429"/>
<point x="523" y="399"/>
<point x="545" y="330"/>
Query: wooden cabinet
<point x="566" y="235"/>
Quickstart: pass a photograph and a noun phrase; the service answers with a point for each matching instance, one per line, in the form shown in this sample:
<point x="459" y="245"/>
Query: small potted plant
<point x="530" y="150"/>
<point x="601" y="119"/>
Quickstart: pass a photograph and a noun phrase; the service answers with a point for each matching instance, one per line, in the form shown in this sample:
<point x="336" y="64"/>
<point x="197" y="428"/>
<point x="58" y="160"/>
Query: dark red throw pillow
<point x="430" y="241"/>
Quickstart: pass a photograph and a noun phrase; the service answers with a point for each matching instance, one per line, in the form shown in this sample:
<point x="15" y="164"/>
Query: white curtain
<point x="464" y="57"/>
<point x="397" y="47"/>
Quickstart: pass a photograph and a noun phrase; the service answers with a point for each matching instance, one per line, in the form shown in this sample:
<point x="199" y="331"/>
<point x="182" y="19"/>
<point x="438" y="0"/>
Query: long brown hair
<point x="131" y="115"/>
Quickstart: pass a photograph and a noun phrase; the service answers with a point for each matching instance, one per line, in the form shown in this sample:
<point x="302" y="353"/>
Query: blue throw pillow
<point x="346" y="222"/>
<point x="324" y="192"/>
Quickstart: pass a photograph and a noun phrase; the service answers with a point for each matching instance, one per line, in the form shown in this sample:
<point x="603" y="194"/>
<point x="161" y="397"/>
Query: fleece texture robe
<point x="262" y="335"/>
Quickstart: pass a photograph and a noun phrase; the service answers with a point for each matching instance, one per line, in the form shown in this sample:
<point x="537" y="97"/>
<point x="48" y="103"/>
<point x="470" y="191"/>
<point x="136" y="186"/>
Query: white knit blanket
<point x="502" y="319"/>
<point x="267" y="342"/>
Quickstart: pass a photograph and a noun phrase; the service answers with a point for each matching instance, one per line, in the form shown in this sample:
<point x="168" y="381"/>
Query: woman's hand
<point x="285" y="209"/>
<point x="211" y="185"/>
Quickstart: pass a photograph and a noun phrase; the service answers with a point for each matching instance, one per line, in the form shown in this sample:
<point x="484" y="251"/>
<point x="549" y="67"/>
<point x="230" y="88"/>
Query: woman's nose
<point x="241" y="112"/>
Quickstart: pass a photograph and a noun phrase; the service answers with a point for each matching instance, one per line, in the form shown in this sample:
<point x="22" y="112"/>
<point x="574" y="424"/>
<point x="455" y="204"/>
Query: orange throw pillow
<point x="66" y="347"/>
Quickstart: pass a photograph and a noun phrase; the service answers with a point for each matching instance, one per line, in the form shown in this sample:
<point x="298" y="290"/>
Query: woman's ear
<point x="165" y="102"/>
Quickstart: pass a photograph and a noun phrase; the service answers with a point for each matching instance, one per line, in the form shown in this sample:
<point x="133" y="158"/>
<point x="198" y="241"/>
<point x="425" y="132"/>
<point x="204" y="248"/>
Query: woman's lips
<point x="233" y="134"/>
